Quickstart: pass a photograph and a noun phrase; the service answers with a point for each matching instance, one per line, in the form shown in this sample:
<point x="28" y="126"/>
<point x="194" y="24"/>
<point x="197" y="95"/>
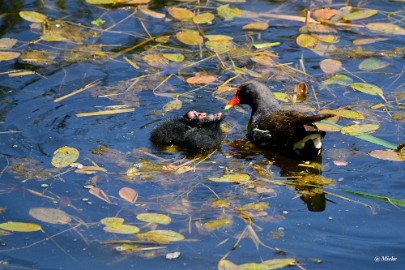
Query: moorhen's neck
<point x="259" y="97"/>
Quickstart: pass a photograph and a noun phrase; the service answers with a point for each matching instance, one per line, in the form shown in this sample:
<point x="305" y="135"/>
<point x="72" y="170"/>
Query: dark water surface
<point x="343" y="230"/>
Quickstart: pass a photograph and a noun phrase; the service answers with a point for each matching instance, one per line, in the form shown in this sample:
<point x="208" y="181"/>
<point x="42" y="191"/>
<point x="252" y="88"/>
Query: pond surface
<point x="355" y="221"/>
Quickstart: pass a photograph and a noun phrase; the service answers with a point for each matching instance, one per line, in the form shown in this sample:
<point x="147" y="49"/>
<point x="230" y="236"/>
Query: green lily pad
<point x="122" y="229"/>
<point x="360" y="14"/>
<point x="204" y="18"/>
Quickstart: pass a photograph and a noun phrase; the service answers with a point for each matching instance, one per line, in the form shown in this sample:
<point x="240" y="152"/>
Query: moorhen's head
<point x="255" y="94"/>
<point x="193" y="118"/>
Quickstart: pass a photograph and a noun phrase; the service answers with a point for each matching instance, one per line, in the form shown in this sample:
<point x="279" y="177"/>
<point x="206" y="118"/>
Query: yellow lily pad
<point x="259" y="26"/>
<point x="122" y="229"/>
<point x="112" y="221"/>
<point x="182" y="14"/>
<point x="217" y="223"/>
<point x="161" y="236"/>
<point x="228" y="13"/>
<point x="20" y="227"/>
<point x="189" y="37"/>
<point x="232" y="178"/>
<point x="360" y="129"/>
<point x="5" y="56"/>
<point x="64" y="156"/>
<point x="174" y="57"/>
<point x="204" y="18"/>
<point x="154" y="218"/>
<point x="33" y="16"/>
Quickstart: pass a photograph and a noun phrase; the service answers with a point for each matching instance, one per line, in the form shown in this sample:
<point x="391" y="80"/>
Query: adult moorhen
<point x="290" y="133"/>
<point x="195" y="131"/>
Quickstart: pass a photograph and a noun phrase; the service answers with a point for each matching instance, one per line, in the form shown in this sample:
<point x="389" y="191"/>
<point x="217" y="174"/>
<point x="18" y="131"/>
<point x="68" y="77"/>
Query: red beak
<point x="233" y="102"/>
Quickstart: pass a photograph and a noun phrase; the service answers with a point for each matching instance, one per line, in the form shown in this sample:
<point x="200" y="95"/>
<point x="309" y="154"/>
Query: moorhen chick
<point x="206" y="135"/>
<point x="195" y="131"/>
<point x="287" y="132"/>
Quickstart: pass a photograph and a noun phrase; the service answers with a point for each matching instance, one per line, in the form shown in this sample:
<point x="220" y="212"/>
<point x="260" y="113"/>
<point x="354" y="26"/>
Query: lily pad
<point x="367" y="88"/>
<point x="330" y="66"/>
<point x="33" y="16"/>
<point x="122" y="229"/>
<point x="386" y="28"/>
<point x="5" y="56"/>
<point x="359" y="129"/>
<point x="20" y="227"/>
<point x="189" y="37"/>
<point x="64" y="156"/>
<point x="360" y="14"/>
<point x="217" y="223"/>
<point x="7" y="43"/>
<point x="228" y="13"/>
<point x="220" y="46"/>
<point x="387" y="155"/>
<point x="182" y="14"/>
<point x="50" y="215"/>
<point x="112" y="221"/>
<point x="349" y="114"/>
<point x="161" y="236"/>
<point x="154" y="218"/>
<point x="174" y="57"/>
<point x="232" y="178"/>
<point x="339" y="79"/>
<point x="259" y="26"/>
<point x="201" y="79"/>
<point x="371" y="64"/>
<point x="204" y="18"/>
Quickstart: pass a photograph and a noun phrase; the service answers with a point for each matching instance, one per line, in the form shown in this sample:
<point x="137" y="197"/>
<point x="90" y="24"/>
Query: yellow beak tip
<point x="228" y="107"/>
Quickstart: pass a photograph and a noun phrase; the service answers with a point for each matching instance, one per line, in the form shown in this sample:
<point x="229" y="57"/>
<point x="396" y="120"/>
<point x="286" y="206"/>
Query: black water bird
<point x="287" y="132"/>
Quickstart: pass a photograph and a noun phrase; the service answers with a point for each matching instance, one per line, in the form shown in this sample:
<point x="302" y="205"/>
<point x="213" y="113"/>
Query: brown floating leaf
<point x="181" y="13"/>
<point x="59" y="30"/>
<point x="387" y="155"/>
<point x="201" y="79"/>
<point x="263" y="59"/>
<point x="128" y="194"/>
<point x="145" y="10"/>
<point x="7" y="43"/>
<point x="50" y="215"/>
<point x="330" y="66"/>
<point x="256" y="26"/>
<point x="321" y="32"/>
<point x="324" y="13"/>
<point x="189" y="37"/>
<point x="99" y="194"/>
<point x="5" y="56"/>
<point x="155" y="60"/>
